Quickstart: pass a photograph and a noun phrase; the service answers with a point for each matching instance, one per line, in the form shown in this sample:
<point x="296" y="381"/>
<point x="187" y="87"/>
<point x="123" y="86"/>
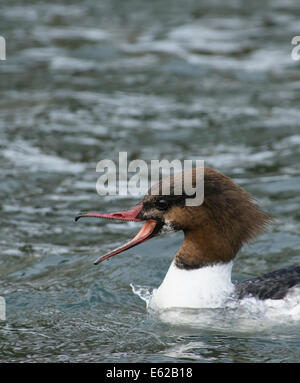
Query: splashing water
<point x="242" y="315"/>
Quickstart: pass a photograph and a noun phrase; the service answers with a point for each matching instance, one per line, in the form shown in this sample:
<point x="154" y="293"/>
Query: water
<point x="86" y="80"/>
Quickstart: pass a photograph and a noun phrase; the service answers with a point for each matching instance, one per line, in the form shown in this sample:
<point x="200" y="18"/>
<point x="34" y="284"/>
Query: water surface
<point x="86" y="80"/>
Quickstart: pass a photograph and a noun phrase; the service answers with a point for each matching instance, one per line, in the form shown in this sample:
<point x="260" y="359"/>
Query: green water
<point x="84" y="80"/>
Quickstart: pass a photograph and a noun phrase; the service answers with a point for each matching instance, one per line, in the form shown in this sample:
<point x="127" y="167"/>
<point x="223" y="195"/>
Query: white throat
<point x="207" y="286"/>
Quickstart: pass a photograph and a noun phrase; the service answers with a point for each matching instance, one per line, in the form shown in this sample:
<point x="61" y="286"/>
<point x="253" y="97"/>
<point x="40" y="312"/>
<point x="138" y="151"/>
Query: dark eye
<point x="162" y="204"/>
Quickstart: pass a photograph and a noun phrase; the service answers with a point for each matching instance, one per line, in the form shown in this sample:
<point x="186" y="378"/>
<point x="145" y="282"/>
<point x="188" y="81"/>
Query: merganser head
<point x="213" y="231"/>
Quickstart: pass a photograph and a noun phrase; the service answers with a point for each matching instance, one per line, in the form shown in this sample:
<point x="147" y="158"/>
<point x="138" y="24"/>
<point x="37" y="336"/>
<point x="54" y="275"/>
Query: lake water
<point x="86" y="80"/>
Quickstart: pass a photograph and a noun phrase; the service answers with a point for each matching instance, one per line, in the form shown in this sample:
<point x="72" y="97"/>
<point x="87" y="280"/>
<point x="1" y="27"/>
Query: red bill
<point x="127" y="215"/>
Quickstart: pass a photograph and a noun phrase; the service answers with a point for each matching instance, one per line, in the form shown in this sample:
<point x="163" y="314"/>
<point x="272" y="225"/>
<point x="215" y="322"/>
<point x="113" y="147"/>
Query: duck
<point x="200" y="274"/>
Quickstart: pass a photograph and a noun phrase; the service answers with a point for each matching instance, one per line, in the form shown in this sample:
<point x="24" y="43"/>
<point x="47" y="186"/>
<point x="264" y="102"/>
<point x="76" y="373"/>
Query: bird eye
<point x="163" y="204"/>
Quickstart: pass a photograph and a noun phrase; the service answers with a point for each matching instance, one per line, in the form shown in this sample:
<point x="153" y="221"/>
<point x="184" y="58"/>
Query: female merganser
<point x="200" y="273"/>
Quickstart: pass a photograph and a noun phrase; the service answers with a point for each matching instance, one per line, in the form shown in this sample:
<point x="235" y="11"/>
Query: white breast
<point x="207" y="286"/>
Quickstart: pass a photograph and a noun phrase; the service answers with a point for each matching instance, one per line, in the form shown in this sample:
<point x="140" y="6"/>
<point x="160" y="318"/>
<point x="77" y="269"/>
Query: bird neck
<point x="203" y="246"/>
<point x="208" y="286"/>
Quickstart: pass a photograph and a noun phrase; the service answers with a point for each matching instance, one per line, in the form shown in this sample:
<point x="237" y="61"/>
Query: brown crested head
<point x="213" y="231"/>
